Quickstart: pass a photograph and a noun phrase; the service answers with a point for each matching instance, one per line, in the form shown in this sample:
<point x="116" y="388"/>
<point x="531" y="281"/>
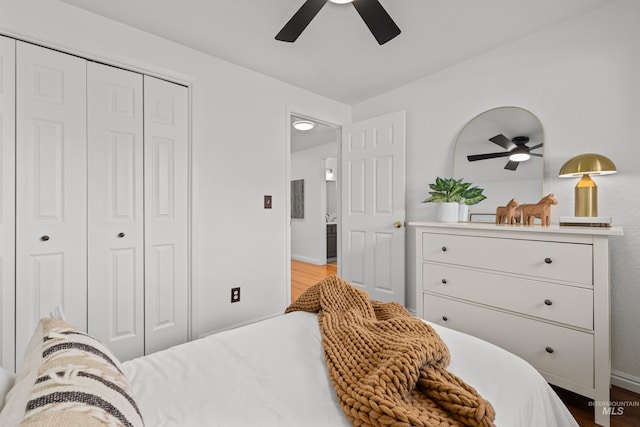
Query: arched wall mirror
<point x="483" y="151"/>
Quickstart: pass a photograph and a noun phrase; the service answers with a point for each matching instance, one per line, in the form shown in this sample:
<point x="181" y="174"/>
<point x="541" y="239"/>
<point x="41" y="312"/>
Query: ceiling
<point x="336" y="56"/>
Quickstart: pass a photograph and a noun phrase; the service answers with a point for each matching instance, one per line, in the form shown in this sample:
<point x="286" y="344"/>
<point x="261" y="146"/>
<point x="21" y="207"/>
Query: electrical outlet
<point x="235" y="294"/>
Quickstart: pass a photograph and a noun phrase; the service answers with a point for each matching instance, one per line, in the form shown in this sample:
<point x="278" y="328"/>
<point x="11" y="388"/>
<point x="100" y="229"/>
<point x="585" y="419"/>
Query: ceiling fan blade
<point x="377" y="19"/>
<point x="475" y="157"/>
<point x="299" y="21"/>
<point x="535" y="146"/>
<point x="503" y="142"/>
<point x="511" y="165"/>
<point x="535" y="154"/>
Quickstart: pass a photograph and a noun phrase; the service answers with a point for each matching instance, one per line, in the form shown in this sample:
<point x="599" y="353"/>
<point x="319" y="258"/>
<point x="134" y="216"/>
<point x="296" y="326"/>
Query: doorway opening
<point x="315" y="202"/>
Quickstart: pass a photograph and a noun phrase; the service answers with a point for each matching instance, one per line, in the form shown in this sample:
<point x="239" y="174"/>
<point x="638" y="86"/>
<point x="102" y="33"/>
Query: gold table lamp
<point x="586" y="192"/>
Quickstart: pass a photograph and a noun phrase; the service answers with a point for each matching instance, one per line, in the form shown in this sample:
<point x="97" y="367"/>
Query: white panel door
<point x="373" y="207"/>
<point x="51" y="186"/>
<point x="115" y="209"/>
<point x="7" y="202"/>
<point x="166" y="181"/>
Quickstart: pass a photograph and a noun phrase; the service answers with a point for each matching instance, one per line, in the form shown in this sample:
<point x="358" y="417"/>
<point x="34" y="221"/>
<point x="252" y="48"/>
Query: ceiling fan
<point x="517" y="151"/>
<point x="373" y="14"/>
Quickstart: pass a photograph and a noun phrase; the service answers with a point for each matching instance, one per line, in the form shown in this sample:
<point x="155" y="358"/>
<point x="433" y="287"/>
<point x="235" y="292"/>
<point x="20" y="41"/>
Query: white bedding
<point x="272" y="373"/>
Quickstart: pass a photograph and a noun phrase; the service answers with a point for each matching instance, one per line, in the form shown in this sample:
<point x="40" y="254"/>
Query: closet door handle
<point x="444" y="249"/>
<point x="44" y="238"/>
<point x="548" y="260"/>
<point x="549" y="350"/>
<point x="121" y="235"/>
<point x="445" y="318"/>
<point x="548" y="302"/>
<point x="444" y="281"/>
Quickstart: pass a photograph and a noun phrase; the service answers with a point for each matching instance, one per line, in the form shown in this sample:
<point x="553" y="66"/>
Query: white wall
<point x="581" y="79"/>
<point x="309" y="234"/>
<point x="236" y="242"/>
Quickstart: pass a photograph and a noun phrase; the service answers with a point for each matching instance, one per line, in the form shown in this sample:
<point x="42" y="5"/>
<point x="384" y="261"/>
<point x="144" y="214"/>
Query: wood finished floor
<point x="304" y="275"/>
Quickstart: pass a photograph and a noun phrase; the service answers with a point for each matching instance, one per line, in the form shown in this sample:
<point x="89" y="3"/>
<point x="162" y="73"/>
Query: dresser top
<point x="555" y="229"/>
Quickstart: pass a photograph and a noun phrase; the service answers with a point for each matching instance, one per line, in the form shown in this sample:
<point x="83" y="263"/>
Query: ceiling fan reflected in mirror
<point x="517" y="151"/>
<point x="373" y="14"/>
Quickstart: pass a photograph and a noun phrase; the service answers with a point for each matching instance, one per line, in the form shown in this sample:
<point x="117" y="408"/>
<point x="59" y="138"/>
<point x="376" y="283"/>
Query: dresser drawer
<point x="552" y="349"/>
<point x="569" y="262"/>
<point x="559" y="303"/>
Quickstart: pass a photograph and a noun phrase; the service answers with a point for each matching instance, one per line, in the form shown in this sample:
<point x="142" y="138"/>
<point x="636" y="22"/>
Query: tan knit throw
<point x="388" y="367"/>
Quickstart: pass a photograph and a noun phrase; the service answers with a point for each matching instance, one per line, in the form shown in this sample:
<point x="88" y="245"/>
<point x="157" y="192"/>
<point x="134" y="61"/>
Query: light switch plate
<point x="267" y="202"/>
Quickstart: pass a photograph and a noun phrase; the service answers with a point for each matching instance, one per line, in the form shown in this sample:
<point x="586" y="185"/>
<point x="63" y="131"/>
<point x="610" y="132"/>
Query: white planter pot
<point x="447" y="211"/>
<point x="463" y="213"/>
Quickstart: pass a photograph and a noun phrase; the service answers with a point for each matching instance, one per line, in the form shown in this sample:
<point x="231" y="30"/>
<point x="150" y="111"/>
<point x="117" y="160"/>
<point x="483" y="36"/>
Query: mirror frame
<point x="509" y="127"/>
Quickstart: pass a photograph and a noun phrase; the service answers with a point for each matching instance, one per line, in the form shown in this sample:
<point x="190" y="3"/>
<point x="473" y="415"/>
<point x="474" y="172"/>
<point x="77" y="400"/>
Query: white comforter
<point x="272" y="373"/>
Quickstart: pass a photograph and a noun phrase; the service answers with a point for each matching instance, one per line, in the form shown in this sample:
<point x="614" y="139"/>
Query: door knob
<point x="121" y="235"/>
<point x="397" y="224"/>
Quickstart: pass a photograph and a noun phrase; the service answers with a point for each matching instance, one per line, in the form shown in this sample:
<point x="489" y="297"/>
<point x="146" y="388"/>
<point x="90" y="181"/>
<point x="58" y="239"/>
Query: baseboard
<point x="308" y="260"/>
<point x="625" y="381"/>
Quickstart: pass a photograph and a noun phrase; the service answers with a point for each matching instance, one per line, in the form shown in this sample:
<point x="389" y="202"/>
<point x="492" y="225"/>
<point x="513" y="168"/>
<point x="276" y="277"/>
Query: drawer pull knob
<point x="548" y="260"/>
<point x="549" y="350"/>
<point x="444" y="281"/>
<point x="548" y="302"/>
<point x="444" y="249"/>
<point x="121" y="235"/>
<point x="44" y="238"/>
<point x="445" y="318"/>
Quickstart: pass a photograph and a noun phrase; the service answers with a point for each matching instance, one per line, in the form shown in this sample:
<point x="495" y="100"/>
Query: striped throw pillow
<point x="78" y="382"/>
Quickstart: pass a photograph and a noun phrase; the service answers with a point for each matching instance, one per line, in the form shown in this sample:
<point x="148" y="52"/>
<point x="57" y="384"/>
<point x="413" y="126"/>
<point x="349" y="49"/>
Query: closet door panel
<point x="51" y="245"/>
<point x="166" y="214"/>
<point x="7" y="202"/>
<point x="115" y="209"/>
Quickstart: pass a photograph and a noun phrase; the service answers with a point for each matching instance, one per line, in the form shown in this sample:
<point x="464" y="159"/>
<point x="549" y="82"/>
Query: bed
<point x="273" y="373"/>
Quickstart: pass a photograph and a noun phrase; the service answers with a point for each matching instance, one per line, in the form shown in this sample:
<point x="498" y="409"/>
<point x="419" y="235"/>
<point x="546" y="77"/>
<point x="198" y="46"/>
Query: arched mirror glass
<point x="501" y="150"/>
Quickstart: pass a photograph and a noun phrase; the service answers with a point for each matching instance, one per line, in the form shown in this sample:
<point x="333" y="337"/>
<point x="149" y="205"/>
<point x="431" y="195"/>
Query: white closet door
<point x="51" y="189"/>
<point x="7" y="201"/>
<point x="115" y="209"/>
<point x="166" y="211"/>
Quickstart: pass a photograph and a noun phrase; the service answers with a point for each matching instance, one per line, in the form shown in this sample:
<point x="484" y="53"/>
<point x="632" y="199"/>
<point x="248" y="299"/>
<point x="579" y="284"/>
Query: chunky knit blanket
<point x="388" y="368"/>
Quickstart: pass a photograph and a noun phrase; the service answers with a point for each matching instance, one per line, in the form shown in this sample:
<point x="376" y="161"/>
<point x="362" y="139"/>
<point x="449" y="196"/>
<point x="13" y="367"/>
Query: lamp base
<point x="586" y="194"/>
<point x="585" y="221"/>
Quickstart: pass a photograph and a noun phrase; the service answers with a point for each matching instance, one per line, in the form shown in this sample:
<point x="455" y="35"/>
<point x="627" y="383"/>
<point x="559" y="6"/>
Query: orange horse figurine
<point x="507" y="213"/>
<point x="541" y="210"/>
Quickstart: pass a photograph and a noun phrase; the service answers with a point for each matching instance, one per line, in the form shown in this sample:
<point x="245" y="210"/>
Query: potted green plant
<point x="446" y="193"/>
<point x="470" y="196"/>
<point x="450" y="194"/>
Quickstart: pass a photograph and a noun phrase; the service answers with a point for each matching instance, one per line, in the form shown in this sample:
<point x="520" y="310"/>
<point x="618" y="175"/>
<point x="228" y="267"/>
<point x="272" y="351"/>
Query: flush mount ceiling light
<point x="303" y="125"/>
<point x="341" y="1"/>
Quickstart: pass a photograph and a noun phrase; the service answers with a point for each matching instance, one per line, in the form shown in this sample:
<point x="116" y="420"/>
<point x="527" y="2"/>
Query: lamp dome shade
<point x="587" y="164"/>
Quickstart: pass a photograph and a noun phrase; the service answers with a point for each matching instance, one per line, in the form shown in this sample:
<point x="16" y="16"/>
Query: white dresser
<point x="539" y="292"/>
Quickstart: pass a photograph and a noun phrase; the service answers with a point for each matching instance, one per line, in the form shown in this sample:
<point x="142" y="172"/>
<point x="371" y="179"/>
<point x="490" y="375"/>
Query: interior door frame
<point x="300" y="112"/>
